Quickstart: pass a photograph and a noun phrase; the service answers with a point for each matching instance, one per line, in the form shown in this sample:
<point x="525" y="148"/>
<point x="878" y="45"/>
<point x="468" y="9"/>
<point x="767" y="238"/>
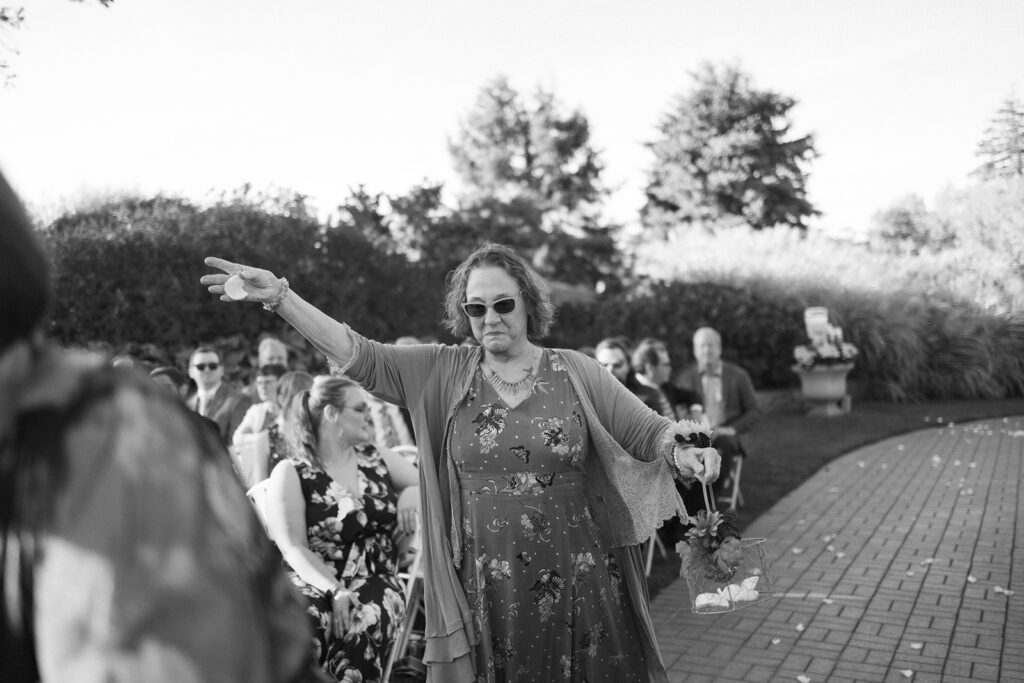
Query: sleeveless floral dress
<point x="548" y="604"/>
<point x="354" y="535"/>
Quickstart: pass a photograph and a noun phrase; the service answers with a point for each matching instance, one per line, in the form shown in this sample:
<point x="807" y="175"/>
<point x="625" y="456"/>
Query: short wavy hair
<point x="536" y="295"/>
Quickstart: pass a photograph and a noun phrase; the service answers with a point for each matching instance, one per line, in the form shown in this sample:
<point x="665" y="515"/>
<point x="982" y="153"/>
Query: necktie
<point x="714" y="408"/>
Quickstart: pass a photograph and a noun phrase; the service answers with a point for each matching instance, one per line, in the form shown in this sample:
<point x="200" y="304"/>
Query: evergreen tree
<point x="725" y="153"/>
<point x="1002" y="149"/>
<point x="532" y="179"/>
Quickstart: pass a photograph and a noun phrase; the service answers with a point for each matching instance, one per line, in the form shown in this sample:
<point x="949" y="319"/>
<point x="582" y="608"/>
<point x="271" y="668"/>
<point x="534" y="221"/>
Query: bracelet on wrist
<point x="678" y="473"/>
<point x="271" y="306"/>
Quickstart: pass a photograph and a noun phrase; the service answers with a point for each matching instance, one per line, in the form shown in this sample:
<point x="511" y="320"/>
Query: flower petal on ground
<point x="803" y="679"/>
<point x="800" y="626"/>
<point x="907" y="673"/>
<point x="971" y="579"/>
<point x="916" y="646"/>
<point x="776" y="641"/>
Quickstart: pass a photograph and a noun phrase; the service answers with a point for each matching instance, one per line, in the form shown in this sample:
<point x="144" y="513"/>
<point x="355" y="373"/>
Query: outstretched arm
<point x="329" y="336"/>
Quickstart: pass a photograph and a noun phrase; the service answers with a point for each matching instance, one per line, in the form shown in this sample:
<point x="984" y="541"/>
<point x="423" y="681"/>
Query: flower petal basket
<point x="723" y="571"/>
<point x="751" y="582"/>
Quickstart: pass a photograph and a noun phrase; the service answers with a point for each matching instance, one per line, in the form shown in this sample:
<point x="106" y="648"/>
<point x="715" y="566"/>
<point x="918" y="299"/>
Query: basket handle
<point x="709" y="500"/>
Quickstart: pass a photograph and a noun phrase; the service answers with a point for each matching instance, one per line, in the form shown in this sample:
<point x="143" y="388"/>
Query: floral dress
<point x="548" y="604"/>
<point x="354" y="535"/>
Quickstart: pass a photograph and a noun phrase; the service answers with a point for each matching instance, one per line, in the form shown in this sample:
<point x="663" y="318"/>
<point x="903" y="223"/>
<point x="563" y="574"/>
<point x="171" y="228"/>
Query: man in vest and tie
<point x="730" y="404"/>
<point x="213" y="398"/>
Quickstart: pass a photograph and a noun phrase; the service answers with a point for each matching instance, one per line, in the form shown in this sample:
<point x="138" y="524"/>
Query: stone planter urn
<point x="824" y="387"/>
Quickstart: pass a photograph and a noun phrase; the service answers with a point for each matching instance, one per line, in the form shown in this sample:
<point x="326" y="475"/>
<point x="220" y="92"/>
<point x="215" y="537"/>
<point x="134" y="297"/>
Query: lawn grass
<point x="787" y="447"/>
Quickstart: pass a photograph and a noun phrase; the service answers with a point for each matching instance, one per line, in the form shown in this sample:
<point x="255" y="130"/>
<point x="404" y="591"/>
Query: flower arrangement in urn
<point x="723" y="571"/>
<point x="825" y="349"/>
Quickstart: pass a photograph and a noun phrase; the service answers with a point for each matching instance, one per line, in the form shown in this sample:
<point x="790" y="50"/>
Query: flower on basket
<point x="712" y="547"/>
<point x="827" y="349"/>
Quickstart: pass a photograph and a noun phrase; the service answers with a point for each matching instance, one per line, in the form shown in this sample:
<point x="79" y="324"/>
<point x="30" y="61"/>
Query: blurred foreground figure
<point x="128" y="552"/>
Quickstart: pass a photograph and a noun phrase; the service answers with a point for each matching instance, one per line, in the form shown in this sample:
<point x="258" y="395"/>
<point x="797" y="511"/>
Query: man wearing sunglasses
<point x="213" y="398"/>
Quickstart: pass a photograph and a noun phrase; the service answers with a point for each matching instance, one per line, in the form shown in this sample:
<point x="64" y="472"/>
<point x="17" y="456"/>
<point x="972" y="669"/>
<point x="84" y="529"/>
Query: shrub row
<point x="127" y="277"/>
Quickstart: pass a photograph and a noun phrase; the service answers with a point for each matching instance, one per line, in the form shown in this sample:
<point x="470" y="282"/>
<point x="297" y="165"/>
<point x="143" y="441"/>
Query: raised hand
<point x="260" y="285"/>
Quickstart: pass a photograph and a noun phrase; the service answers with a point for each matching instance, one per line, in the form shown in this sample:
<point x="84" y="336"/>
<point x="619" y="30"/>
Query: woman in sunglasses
<point x="127" y="551"/>
<point x="540" y="473"/>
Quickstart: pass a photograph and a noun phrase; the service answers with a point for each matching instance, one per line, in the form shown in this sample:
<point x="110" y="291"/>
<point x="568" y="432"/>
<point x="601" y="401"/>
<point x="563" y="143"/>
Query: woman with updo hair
<point x="334" y="504"/>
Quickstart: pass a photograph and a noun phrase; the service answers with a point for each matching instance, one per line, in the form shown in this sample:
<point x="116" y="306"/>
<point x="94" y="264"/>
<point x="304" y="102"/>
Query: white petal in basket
<point x="234" y="287"/>
<point x="711" y="600"/>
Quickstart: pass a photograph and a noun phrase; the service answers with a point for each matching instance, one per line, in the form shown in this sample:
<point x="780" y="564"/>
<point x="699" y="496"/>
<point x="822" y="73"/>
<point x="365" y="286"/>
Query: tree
<point x="1002" y="148"/>
<point x="12" y="18"/>
<point x="907" y="226"/>
<point x="532" y="179"/>
<point x="724" y="152"/>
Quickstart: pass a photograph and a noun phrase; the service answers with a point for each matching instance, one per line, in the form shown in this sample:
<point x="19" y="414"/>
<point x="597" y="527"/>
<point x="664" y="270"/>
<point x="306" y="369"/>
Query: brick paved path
<point x="891" y="562"/>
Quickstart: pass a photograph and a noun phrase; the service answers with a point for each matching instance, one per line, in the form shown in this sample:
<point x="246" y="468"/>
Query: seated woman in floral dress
<point x="334" y="504"/>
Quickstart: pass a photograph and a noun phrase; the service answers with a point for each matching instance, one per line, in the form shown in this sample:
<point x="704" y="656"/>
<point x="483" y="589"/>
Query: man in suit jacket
<point x="653" y="368"/>
<point x="213" y="398"/>
<point x="613" y="355"/>
<point x="730" y="403"/>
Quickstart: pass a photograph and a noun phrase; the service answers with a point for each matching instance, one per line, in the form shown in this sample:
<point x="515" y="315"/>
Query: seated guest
<point x="612" y="354"/>
<point x="730" y="404"/>
<point x="251" y="451"/>
<point x="333" y="506"/>
<point x="653" y="368"/>
<point x="261" y="415"/>
<point x="127" y="553"/>
<point x="214" y="399"/>
<point x="291" y="383"/>
<point x="271" y="351"/>
<point x="179" y="385"/>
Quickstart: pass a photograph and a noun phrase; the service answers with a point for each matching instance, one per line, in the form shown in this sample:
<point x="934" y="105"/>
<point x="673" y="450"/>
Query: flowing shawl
<point x="629" y="485"/>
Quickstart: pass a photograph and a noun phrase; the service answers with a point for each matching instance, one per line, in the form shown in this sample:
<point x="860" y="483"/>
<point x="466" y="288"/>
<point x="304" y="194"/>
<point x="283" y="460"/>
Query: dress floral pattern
<point x="354" y="534"/>
<point x="548" y="603"/>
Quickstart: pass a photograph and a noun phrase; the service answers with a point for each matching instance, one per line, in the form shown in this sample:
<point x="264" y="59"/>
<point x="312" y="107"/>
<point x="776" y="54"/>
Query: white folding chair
<point x="410" y="453"/>
<point x="736" y="498"/>
<point x="258" y="496"/>
<point x="412" y="582"/>
<point x="652" y="542"/>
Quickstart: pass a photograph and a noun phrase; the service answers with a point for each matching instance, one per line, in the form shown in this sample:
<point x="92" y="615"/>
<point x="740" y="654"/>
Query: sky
<point x="195" y="98"/>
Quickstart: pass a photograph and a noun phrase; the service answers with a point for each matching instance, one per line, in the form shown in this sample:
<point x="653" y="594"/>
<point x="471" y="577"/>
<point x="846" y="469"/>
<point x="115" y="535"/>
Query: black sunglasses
<point x="206" y="366"/>
<point x="501" y="307"/>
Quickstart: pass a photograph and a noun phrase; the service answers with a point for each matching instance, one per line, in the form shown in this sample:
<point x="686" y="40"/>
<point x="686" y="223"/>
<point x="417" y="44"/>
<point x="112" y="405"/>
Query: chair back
<point x="258" y="496"/>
